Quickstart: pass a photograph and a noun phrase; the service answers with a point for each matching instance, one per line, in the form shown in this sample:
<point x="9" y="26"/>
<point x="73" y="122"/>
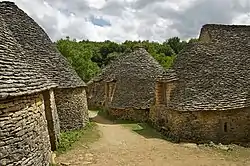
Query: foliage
<point x="88" y="57"/>
<point x="67" y="139"/>
<point x="176" y="44"/>
<point x="79" y="57"/>
<point x="193" y="40"/>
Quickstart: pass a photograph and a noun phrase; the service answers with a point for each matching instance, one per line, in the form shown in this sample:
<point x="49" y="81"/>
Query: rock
<point x="190" y="145"/>
<point x="211" y="144"/>
<point x="92" y="114"/>
<point x="224" y="147"/>
<point x="86" y="162"/>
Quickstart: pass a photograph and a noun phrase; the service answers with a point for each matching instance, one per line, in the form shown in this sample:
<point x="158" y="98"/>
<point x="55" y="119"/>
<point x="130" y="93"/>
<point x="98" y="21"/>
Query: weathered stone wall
<point x="129" y="114"/>
<point x="72" y="108"/>
<point x="96" y="95"/>
<point x="232" y="126"/>
<point x="224" y="33"/>
<point x="163" y="92"/>
<point x="24" y="138"/>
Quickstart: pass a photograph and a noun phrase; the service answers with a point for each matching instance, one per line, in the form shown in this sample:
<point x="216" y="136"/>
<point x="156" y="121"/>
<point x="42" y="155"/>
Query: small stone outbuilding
<point x="125" y="88"/>
<point x="28" y="119"/>
<point x="206" y="96"/>
<point x="38" y="50"/>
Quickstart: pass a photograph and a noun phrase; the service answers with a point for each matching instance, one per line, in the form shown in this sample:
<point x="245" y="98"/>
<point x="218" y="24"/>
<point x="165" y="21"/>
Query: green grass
<point x="143" y="129"/>
<point x="53" y="165"/>
<point x="69" y="139"/>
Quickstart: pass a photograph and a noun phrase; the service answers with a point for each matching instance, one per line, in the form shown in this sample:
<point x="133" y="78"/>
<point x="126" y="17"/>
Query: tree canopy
<point x="89" y="57"/>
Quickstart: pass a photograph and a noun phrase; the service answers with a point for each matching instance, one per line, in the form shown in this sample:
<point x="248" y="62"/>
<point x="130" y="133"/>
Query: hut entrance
<point x="160" y="93"/>
<point x="163" y="92"/>
<point x="49" y="104"/>
<point x="109" y="91"/>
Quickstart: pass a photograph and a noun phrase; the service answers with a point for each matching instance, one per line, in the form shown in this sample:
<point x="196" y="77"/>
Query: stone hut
<point x="126" y="86"/>
<point x="206" y="97"/>
<point x="70" y="96"/>
<point x="28" y="118"/>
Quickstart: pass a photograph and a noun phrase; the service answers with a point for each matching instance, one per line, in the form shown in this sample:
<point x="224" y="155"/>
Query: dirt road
<point x="119" y="146"/>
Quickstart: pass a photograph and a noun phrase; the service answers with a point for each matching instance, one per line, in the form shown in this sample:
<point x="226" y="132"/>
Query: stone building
<point x="28" y="118"/>
<point x="70" y="96"/>
<point x="205" y="97"/>
<point x="126" y="86"/>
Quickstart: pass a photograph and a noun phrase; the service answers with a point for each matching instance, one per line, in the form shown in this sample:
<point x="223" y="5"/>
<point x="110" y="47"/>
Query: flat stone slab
<point x="93" y="114"/>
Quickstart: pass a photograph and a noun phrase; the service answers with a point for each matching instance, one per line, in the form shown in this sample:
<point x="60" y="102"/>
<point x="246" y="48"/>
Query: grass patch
<point x="53" y="165"/>
<point x="86" y="135"/>
<point x="238" y="153"/>
<point x="143" y="129"/>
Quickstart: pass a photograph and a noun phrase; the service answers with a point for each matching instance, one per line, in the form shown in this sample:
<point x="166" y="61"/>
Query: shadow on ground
<point x="142" y="129"/>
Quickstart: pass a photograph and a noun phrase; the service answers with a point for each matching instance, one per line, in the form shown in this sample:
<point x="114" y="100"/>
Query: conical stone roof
<point x="214" y="74"/>
<point x="38" y="49"/>
<point x="135" y="75"/>
<point x="16" y="76"/>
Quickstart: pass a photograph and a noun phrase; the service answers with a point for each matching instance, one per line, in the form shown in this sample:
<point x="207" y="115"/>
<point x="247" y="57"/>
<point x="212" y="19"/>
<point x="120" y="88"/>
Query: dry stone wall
<point x="96" y="93"/>
<point x="224" y="33"/>
<point x="231" y="126"/>
<point x="72" y="108"/>
<point x="135" y="75"/>
<point x="24" y="138"/>
<point x="129" y="114"/>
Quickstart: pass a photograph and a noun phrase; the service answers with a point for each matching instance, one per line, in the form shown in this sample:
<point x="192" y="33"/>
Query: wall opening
<point x="225" y="127"/>
<point x="49" y="118"/>
<point x="160" y="93"/>
<point x="109" y="90"/>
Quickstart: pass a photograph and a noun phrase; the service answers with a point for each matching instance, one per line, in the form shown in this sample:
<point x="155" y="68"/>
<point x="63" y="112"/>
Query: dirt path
<point x="119" y="146"/>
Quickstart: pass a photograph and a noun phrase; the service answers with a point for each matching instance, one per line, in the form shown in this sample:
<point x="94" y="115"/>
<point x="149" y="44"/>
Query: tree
<point x="79" y="57"/>
<point x="87" y="57"/>
<point x="176" y="44"/>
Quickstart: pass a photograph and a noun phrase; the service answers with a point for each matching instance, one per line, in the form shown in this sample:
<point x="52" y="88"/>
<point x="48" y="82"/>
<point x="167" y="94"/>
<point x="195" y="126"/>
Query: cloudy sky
<point x="120" y="20"/>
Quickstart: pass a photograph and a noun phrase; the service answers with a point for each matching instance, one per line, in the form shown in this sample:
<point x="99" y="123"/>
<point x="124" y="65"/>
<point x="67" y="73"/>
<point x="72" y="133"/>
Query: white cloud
<point x="133" y="19"/>
<point x="242" y="19"/>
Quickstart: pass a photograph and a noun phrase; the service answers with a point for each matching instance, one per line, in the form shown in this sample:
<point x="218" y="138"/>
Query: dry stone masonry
<point x="206" y="95"/>
<point x="39" y="51"/>
<point x="69" y="100"/>
<point x="126" y="85"/>
<point x="31" y="70"/>
<point x="24" y="138"/>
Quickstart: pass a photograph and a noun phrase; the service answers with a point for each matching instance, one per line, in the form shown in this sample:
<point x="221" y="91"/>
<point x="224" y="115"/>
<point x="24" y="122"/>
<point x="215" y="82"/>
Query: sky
<point x="120" y="20"/>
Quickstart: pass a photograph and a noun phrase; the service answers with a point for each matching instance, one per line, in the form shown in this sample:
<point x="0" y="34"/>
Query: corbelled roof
<point x="135" y="75"/>
<point x="17" y="77"/>
<point x="38" y="49"/>
<point x="224" y="33"/>
<point x="168" y="76"/>
<point x="214" y="75"/>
